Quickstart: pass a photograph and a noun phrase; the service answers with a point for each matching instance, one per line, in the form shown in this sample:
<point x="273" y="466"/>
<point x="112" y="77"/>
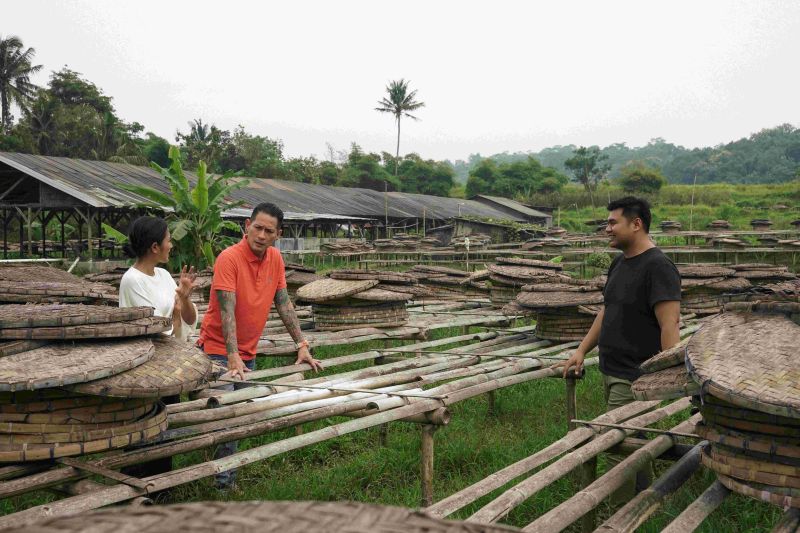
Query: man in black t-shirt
<point x="641" y="304"/>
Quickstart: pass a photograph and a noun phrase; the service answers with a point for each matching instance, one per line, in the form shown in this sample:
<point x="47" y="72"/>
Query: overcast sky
<point x="495" y="76"/>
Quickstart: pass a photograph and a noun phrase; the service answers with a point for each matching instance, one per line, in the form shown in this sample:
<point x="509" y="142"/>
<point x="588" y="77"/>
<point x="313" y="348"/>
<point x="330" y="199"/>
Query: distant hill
<point x="770" y="156"/>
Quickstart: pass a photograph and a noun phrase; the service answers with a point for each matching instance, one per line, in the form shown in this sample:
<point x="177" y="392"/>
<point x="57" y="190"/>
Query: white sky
<point x="495" y="76"/>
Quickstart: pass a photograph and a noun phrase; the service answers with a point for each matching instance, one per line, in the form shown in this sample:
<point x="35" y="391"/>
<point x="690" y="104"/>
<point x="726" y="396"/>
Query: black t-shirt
<point x="630" y="333"/>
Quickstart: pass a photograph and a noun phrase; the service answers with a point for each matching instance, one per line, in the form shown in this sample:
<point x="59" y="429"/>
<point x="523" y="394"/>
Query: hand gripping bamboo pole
<point x="563" y="515"/>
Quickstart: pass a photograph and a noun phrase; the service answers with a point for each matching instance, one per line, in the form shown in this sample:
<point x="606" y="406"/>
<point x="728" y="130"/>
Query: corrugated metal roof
<point x="97" y="183"/>
<point x="513" y="204"/>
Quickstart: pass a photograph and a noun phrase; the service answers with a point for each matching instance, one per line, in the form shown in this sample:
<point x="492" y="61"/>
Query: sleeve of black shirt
<point x="665" y="283"/>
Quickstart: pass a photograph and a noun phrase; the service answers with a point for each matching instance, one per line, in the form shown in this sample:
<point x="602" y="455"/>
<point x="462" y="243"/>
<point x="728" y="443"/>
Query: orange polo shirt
<point x="255" y="281"/>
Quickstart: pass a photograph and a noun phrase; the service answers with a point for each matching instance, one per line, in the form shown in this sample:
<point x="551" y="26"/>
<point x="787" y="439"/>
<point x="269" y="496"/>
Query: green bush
<point x="600" y="260"/>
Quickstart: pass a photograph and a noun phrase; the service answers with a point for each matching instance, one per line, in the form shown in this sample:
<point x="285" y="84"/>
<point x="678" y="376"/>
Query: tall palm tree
<point x="15" y="73"/>
<point x="399" y="102"/>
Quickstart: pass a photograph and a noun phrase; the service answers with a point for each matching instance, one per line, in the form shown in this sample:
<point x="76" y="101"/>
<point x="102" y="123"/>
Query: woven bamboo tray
<point x="559" y="287"/>
<point x="754" y="461"/>
<point x="384" y="276"/>
<point x="546" y="300"/>
<point x="257" y="517"/>
<point x="724" y="410"/>
<point x="520" y="261"/>
<point x="51" y="288"/>
<point x="664" y="385"/>
<point x="438" y="270"/>
<point x="759" y="266"/>
<point x="131" y="328"/>
<point x="688" y="283"/>
<point x="23" y="452"/>
<point x="783" y="497"/>
<point x="176" y="367"/>
<point x="750" y="426"/>
<point x="353" y="314"/>
<point x="105" y="412"/>
<point x="6" y="298"/>
<point x="14" y="347"/>
<point x="59" y="365"/>
<point x="748" y="474"/>
<point x="670" y="357"/>
<point x="750" y="360"/>
<point x="764" y="274"/>
<point x="519" y="272"/>
<point x="730" y="284"/>
<point x="704" y="271"/>
<point x="26" y="273"/>
<point x="302" y="278"/>
<point x="775" y="447"/>
<point x="324" y="290"/>
<point x="380" y="295"/>
<point x="59" y="315"/>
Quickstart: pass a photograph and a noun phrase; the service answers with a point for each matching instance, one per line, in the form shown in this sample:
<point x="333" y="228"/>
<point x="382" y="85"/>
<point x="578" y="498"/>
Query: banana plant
<point x="194" y="214"/>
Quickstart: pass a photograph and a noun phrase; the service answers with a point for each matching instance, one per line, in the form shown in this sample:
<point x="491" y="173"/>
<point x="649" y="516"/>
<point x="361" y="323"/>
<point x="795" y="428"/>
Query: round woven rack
<point x="53" y="288"/>
<point x="348" y="318"/>
<point x="104" y="412"/>
<point x="704" y="271"/>
<point x="688" y="283"/>
<point x="151" y="427"/>
<point x="327" y="289"/>
<point x="523" y="273"/>
<point x="748" y="425"/>
<point x="381" y="275"/>
<point x="716" y="407"/>
<point x="563" y="327"/>
<point x="748" y="473"/>
<point x="176" y="367"/>
<point x="754" y="461"/>
<point x="36" y="272"/>
<point x="665" y="359"/>
<point x="58" y="365"/>
<point x="559" y="287"/>
<point x="529" y="262"/>
<point x="758" y="266"/>
<point x="302" y="278"/>
<point x="546" y="300"/>
<point x="13" y="347"/>
<point x="130" y="328"/>
<point x="438" y="270"/>
<point x="59" y="315"/>
<point x="665" y="384"/>
<point x="750" y="360"/>
<point x="775" y="447"/>
<point x="781" y="496"/>
<point x="417" y="291"/>
<point x="764" y="274"/>
<point x="257" y="517"/>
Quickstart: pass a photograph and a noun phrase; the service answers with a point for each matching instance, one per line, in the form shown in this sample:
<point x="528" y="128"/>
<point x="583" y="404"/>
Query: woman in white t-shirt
<point x="145" y="284"/>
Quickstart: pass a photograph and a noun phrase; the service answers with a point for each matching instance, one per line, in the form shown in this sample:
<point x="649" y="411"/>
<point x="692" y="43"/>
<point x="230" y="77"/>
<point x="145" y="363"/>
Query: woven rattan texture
<point x="665" y="384"/>
<point x="258" y="517"/>
<point x="324" y="290"/>
<point x="758" y="266"/>
<point x="704" y="271"/>
<point x="748" y="473"/>
<point x="668" y="358"/>
<point x="130" y="328"/>
<point x="518" y="272"/>
<point x="176" y="367"/>
<point x="383" y="276"/>
<point x="529" y="262"/>
<point x="381" y="295"/>
<point x="57" y="365"/>
<point x="546" y="300"/>
<point x="13" y="347"/>
<point x="765" y="493"/>
<point x="750" y="360"/>
<point x="688" y="283"/>
<point x="776" y="447"/>
<point x="108" y="411"/>
<point x="55" y="315"/>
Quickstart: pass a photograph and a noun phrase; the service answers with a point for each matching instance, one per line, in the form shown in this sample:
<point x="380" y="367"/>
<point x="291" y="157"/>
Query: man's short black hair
<point x="633" y="207"/>
<point x="268" y="209"/>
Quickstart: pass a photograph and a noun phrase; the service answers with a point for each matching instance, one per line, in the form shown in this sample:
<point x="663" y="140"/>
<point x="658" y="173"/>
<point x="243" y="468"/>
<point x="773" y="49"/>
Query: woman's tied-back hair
<point x="143" y="233"/>
<point x="633" y="207"/>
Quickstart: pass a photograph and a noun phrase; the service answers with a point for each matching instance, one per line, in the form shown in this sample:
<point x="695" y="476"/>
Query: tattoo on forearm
<point x="227" y="310"/>
<point x="286" y="311"/>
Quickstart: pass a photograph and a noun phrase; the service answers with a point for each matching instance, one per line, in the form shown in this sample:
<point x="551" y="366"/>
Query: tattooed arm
<point x="286" y="311"/>
<point x="227" y="310"/>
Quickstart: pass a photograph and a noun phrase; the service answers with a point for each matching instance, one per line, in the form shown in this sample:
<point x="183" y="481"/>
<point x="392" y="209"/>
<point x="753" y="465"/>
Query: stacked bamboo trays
<point x="298" y="275"/>
<point x="348" y="247"/>
<point x="359" y="298"/>
<point x="564" y="312"/>
<point x="670" y="226"/>
<point x="553" y="244"/>
<point x="719" y="224"/>
<point x="664" y="376"/>
<point x="747" y="364"/>
<point x="704" y="287"/>
<point x="41" y="284"/>
<point x="113" y="277"/>
<point x="509" y="274"/>
<point x="760" y="224"/>
<point x="443" y="283"/>
<point x="80" y="379"/>
<point x="258" y="517"/>
<point x="763" y="273"/>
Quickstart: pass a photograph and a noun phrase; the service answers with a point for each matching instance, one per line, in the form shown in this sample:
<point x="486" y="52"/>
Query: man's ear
<point x="280" y="232"/>
<point x="246" y="224"/>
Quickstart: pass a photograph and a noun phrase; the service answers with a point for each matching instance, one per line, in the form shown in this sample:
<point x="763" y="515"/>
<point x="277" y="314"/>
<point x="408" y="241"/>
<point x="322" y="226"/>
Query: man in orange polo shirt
<point x="248" y="277"/>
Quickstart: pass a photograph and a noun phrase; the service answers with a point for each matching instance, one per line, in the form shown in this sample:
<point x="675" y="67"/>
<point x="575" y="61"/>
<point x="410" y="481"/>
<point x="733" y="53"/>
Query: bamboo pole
<point x="563" y="515"/>
<point x="503" y="504"/>
<point x="698" y="510"/>
<point x="461" y="499"/>
<point x="643" y="505"/>
<point x="426" y="463"/>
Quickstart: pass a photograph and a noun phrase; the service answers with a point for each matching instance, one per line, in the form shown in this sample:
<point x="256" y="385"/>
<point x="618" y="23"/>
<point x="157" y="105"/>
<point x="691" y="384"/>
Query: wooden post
<point x="428" y="431"/>
<point x="492" y="409"/>
<point x="572" y="407"/>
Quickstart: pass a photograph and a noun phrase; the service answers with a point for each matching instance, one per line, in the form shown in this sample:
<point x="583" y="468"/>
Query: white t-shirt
<point x="158" y="291"/>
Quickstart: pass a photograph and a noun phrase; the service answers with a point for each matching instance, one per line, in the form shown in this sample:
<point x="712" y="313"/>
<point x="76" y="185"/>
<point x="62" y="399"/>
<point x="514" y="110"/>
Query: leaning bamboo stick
<point x="698" y="510"/>
<point x="636" y="428"/>
<point x="643" y="505"/>
<point x="574" y="438"/>
<point x="503" y="504"/>
<point x="568" y="512"/>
